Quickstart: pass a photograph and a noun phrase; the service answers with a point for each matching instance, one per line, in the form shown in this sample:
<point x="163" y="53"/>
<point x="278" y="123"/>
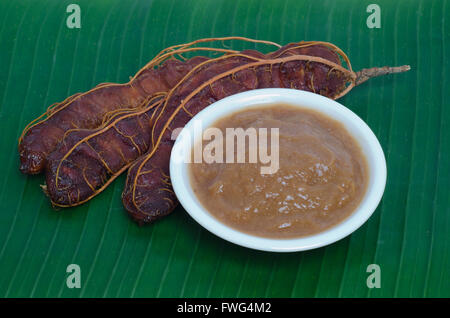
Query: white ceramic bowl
<point x="356" y="127"/>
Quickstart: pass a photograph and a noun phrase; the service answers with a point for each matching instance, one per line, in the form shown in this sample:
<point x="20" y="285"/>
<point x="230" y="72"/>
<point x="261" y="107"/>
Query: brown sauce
<point x="320" y="181"/>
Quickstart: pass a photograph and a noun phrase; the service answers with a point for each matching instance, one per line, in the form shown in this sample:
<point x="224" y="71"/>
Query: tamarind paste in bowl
<point x="319" y="180"/>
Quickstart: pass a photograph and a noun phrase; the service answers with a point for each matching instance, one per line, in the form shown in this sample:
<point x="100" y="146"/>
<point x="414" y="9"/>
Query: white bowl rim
<point x="268" y="96"/>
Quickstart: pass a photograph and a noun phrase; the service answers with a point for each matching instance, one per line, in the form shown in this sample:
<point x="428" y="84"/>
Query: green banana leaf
<point x="43" y="61"/>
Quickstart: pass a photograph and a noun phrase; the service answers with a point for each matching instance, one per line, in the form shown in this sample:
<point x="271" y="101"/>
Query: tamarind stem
<point x="367" y="73"/>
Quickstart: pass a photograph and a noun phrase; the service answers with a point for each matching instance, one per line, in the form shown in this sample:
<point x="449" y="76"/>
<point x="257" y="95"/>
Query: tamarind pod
<point x="86" y="110"/>
<point x="311" y="66"/>
<point x="148" y="194"/>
